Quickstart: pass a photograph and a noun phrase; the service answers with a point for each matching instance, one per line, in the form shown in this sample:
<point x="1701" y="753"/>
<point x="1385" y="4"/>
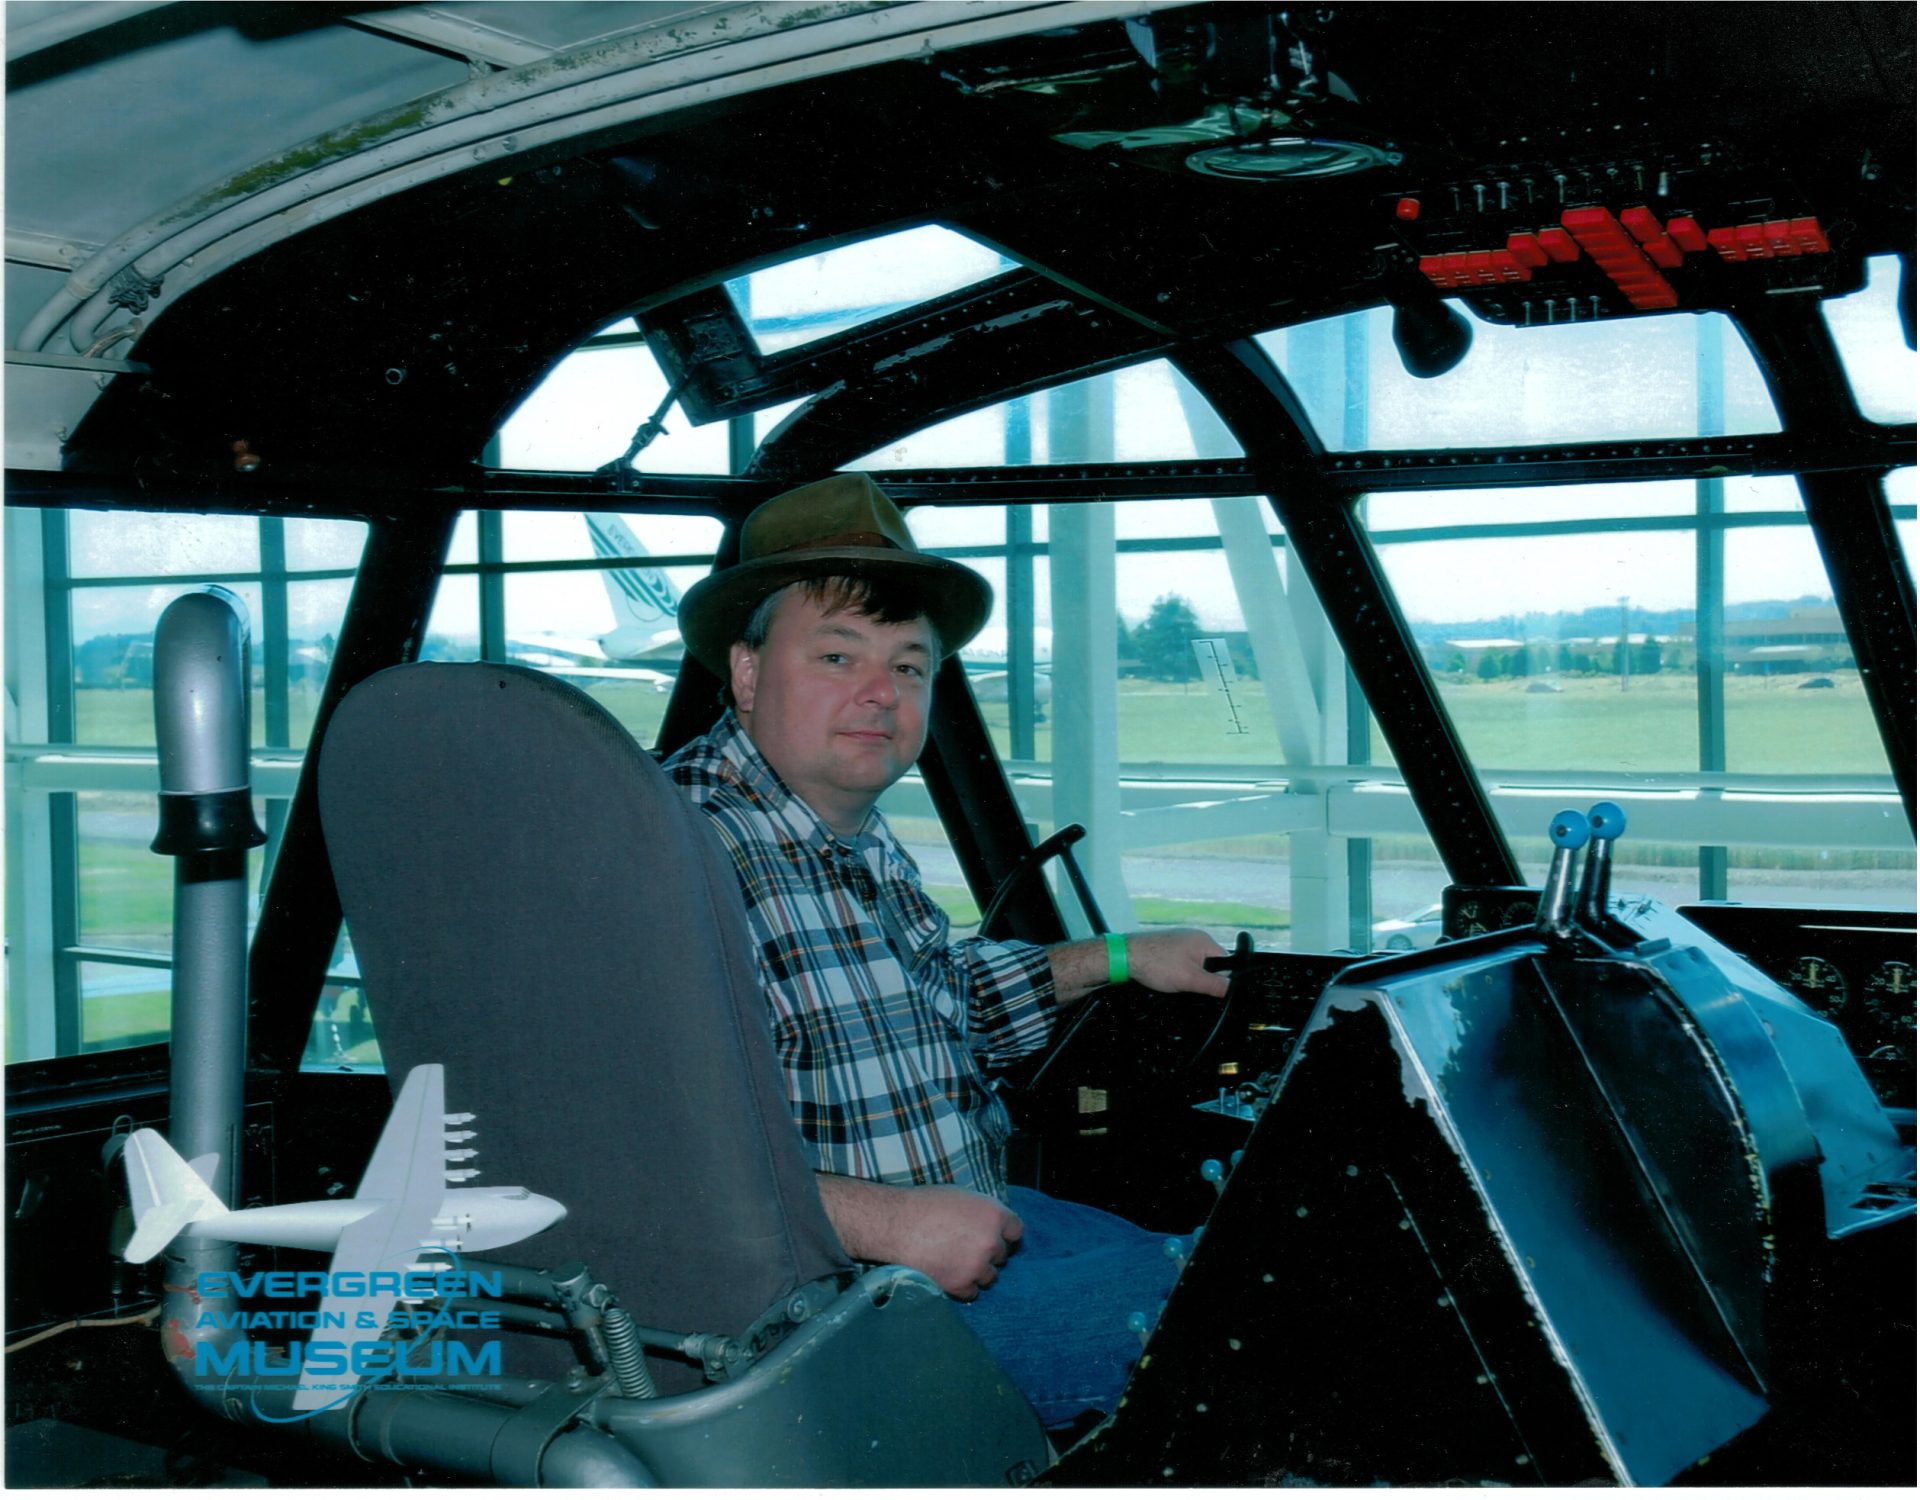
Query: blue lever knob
<point x="1607" y="820"/>
<point x="1569" y="829"/>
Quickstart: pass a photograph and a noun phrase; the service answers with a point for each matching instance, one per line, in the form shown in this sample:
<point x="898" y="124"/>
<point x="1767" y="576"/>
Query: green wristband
<point x="1117" y="971"/>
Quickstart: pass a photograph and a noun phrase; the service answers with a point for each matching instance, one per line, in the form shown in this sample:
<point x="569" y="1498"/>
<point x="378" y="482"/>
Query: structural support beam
<point x="65" y="23"/>
<point x="1086" y="721"/>
<point x="443" y="31"/>
<point x="31" y="931"/>
<point x="1261" y="410"/>
<point x="1710" y="589"/>
<point x="1849" y="516"/>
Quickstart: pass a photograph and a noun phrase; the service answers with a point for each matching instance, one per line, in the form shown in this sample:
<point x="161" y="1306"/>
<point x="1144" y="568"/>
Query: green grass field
<point x="1772" y="725"/>
<point x="124" y="716"/>
<point x="119" y="1020"/>
<point x="1590" y="725"/>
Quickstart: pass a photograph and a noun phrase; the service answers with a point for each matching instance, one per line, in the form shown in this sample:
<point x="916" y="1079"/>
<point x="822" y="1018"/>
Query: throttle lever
<point x="1607" y="822"/>
<point x="1568" y="831"/>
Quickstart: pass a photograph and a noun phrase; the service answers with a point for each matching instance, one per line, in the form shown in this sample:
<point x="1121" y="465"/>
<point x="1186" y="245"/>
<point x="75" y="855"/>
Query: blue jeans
<point x="1056" y="1319"/>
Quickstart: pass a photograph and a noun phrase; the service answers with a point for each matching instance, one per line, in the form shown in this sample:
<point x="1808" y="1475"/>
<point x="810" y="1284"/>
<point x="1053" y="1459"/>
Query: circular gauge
<point x="1467" y="919"/>
<point x="1818" y="983"/>
<point x="1519" y="913"/>
<point x="1889" y="995"/>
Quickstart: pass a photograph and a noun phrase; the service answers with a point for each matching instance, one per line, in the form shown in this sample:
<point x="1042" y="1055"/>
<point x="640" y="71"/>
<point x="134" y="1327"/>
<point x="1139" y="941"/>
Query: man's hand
<point x="959" y="1238"/>
<point x="1170" y="961"/>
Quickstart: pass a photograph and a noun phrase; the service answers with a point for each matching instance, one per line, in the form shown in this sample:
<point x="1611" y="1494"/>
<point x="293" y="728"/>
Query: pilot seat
<point x="534" y="905"/>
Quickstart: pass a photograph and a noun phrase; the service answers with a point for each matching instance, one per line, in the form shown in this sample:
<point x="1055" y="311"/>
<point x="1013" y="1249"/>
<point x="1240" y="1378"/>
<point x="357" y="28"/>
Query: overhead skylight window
<point x="1880" y="367"/>
<point x="788" y="305"/>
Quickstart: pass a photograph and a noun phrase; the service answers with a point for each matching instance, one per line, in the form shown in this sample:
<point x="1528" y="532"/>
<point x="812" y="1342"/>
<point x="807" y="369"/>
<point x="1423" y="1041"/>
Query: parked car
<point x="1420" y="929"/>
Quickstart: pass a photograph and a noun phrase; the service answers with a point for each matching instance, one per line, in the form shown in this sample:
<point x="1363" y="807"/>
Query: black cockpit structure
<point x="1466" y="415"/>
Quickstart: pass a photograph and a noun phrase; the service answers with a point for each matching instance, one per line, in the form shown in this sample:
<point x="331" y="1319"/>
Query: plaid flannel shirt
<point x="884" y="1029"/>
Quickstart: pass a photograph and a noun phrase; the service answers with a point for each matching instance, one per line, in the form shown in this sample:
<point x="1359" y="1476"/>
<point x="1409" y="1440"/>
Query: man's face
<point x="837" y="702"/>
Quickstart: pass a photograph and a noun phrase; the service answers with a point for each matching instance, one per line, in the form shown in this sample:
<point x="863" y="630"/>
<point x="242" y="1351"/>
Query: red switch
<point x="1686" y="233"/>
<point x="1600" y="235"/>
<point x="1558" y="245"/>
<point x="1525" y="250"/>
<point x="1407" y="209"/>
<point x="1663" y="252"/>
<point x="1808" y="236"/>
<point x="1726" y="242"/>
<point x="1641" y="224"/>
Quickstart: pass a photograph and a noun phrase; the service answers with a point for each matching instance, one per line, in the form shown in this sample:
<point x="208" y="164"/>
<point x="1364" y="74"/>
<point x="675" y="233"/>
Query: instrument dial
<point x="1889" y="995"/>
<point x="1520" y="913"/>
<point x="1819" y="983"/>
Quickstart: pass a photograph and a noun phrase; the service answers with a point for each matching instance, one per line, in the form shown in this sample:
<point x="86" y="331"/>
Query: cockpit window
<point x="802" y="300"/>
<point x="1692" y="643"/>
<point x="587" y="410"/>
<point x="1647" y="377"/>
<point x="1145" y="412"/>
<point x="1880" y="367"/>
<point x="94" y="941"/>
<point x="1159" y="673"/>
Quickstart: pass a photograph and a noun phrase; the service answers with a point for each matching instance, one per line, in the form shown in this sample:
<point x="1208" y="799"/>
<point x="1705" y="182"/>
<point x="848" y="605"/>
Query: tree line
<point x="1647" y="659"/>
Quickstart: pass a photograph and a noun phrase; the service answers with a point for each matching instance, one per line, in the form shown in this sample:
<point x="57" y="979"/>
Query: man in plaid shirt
<point x="828" y="633"/>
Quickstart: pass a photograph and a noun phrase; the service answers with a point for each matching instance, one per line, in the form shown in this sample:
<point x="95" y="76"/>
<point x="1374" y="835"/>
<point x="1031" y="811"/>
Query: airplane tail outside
<point x="644" y="599"/>
<point x="168" y="1193"/>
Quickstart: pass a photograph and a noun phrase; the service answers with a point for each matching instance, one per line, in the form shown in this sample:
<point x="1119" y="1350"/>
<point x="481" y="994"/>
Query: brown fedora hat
<point x="841" y="526"/>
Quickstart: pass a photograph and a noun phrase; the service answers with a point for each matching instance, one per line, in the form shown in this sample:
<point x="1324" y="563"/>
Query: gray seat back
<point x="534" y="905"/>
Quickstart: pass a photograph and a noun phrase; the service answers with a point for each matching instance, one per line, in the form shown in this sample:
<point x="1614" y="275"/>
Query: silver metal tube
<point x="189" y="1321"/>
<point x="1568" y="830"/>
<point x="1606" y="821"/>
<point x="200" y="658"/>
<point x="206" y="824"/>
<point x="1595" y="882"/>
<point x="200" y="711"/>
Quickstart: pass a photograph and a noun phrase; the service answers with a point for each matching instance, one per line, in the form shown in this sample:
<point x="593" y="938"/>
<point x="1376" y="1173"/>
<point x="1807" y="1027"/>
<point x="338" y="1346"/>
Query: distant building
<point x="1803" y="640"/>
<point x="1470" y="652"/>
